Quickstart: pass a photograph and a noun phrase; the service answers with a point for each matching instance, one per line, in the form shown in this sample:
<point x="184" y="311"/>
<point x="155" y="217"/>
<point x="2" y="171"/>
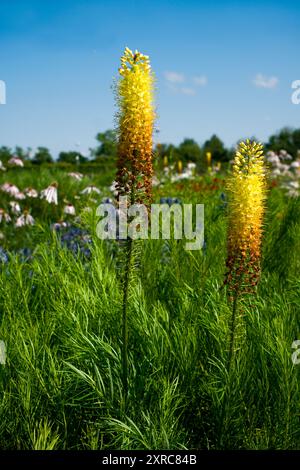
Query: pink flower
<point x="90" y="189"/>
<point x="20" y="196"/>
<point x="75" y="175"/>
<point x="16" y="161"/>
<point x="24" y="219"/>
<point x="4" y="216"/>
<point x="30" y="192"/>
<point x="15" y="207"/>
<point x="50" y="194"/>
<point x="69" y="209"/>
<point x="10" y="189"/>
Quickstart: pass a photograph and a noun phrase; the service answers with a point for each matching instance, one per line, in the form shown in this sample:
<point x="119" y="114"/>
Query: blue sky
<point x="222" y="67"/>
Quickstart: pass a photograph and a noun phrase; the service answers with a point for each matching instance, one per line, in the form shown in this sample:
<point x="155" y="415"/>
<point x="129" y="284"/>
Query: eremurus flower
<point x="135" y="124"/>
<point x="134" y="96"/>
<point x="247" y="191"/>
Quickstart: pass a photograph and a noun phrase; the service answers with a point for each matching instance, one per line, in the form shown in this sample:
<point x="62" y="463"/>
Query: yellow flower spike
<point x="136" y="115"/>
<point x="247" y="190"/>
<point x="208" y="158"/>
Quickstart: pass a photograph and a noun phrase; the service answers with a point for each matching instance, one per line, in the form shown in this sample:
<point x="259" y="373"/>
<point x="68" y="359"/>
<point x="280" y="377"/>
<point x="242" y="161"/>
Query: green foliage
<point x="216" y="147"/>
<point x="108" y="145"/>
<point x="5" y="153"/>
<point x="286" y="139"/>
<point x="188" y="151"/>
<point x="71" y="157"/>
<point x="41" y="156"/>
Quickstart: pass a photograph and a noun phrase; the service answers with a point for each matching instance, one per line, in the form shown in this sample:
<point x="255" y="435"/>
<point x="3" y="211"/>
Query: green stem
<point x="127" y="276"/>
<point x="125" y="317"/>
<point x="232" y="330"/>
<point x="229" y="365"/>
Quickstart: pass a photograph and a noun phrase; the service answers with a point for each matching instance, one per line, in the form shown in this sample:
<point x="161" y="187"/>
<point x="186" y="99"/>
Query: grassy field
<point x="60" y="318"/>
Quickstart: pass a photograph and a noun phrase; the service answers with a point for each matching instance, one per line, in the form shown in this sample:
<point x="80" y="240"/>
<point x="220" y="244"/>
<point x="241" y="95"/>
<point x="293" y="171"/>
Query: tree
<point x="296" y="140"/>
<point x="5" y="154"/>
<point x="284" y="140"/>
<point x="72" y="157"/>
<point x="42" y="155"/>
<point x="22" y="153"/>
<point x="188" y="151"/>
<point x="165" y="150"/>
<point x="215" y="146"/>
<point x="108" y="145"/>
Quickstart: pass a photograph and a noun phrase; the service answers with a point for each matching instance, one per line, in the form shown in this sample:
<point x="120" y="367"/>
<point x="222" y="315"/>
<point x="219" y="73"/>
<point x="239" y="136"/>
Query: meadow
<point x="60" y="321"/>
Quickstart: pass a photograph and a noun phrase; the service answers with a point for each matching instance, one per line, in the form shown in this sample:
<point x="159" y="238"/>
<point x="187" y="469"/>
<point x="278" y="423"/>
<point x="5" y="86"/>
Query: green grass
<point x="61" y="320"/>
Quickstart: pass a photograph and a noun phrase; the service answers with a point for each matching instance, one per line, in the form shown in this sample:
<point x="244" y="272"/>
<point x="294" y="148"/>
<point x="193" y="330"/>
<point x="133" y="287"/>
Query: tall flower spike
<point x="135" y="100"/>
<point x="247" y="190"/>
<point x="134" y="95"/>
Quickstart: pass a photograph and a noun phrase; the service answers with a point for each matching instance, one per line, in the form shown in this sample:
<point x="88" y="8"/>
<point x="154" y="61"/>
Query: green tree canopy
<point x="5" y="153"/>
<point x="108" y="144"/>
<point x="188" y="151"/>
<point x="42" y="155"/>
<point x="72" y="157"/>
<point x="218" y="151"/>
<point x="286" y="139"/>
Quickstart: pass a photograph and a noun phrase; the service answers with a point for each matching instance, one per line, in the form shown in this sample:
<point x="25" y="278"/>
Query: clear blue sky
<point x="222" y="67"/>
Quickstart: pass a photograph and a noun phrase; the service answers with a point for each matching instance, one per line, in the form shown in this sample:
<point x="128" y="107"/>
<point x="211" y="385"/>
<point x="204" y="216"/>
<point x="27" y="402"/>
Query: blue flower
<point x="3" y="256"/>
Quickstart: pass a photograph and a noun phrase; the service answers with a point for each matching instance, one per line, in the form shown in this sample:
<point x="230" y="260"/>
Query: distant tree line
<point x="187" y="151"/>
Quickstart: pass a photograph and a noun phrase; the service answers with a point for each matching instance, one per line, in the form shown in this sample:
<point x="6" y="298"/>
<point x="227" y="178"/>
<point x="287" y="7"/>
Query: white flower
<point x="283" y="167"/>
<point x="295" y="164"/>
<point x="75" y="175"/>
<point x="155" y="181"/>
<point x="30" y="192"/>
<point x="273" y="158"/>
<point x="293" y="193"/>
<point x="90" y="189"/>
<point x="16" y="161"/>
<point x="24" y="219"/>
<point x="191" y="165"/>
<point x="293" y="184"/>
<point x="69" y="209"/>
<point x="10" y="189"/>
<point x="15" y="207"/>
<point x="283" y="155"/>
<point x="20" y="196"/>
<point x="4" y="216"/>
<point x="2" y="167"/>
<point x="50" y="194"/>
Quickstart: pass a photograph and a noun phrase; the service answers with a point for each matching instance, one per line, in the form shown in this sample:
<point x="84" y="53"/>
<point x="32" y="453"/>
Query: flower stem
<point x="125" y="317"/>
<point x="226" y="398"/>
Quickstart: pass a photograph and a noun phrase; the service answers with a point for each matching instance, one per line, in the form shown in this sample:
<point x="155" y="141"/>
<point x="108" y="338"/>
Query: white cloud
<point x="200" y="81"/>
<point x="187" y="91"/>
<point x="261" y="81"/>
<point x="181" y="90"/>
<point x="174" y="77"/>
